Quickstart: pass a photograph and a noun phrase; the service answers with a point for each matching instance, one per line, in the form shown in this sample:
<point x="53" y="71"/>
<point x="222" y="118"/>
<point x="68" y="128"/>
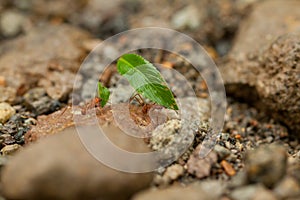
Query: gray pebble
<point x="39" y="102"/>
<point x="11" y="23"/>
<point x="221" y="151"/>
<point x="188" y="17"/>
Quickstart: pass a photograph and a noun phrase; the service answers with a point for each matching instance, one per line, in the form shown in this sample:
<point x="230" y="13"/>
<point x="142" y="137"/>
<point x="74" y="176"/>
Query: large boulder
<point x="47" y="56"/>
<point x="265" y="60"/>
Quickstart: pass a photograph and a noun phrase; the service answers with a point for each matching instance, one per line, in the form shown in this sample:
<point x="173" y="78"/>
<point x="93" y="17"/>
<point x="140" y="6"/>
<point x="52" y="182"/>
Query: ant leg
<point x="61" y="114"/>
<point x="132" y="97"/>
<point x="141" y="100"/>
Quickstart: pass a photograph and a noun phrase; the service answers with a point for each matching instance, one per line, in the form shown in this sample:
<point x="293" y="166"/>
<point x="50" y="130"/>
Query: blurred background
<point x="256" y="45"/>
<point x="213" y="23"/>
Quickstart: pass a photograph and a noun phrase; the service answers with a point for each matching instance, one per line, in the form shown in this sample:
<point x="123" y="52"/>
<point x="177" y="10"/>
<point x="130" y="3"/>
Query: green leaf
<point x="146" y="80"/>
<point x="103" y="93"/>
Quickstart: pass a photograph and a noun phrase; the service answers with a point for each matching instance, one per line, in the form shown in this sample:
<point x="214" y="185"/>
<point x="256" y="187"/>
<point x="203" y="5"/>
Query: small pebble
<point x="10" y="149"/>
<point x="173" y="172"/>
<point x="6" y="112"/>
<point x="90" y="44"/>
<point x="228" y="168"/>
<point x="39" y="102"/>
<point x="232" y="158"/>
<point x="228" y="145"/>
<point x="221" y="151"/>
<point x="30" y="121"/>
<point x="201" y="167"/>
<point x="225" y="136"/>
<point x="8" y="94"/>
<point x="11" y="23"/>
<point x="234" y="151"/>
<point x="186" y="18"/>
<point x="6" y="139"/>
<point x="269" y="139"/>
<point x="2" y="81"/>
<point x="298" y="154"/>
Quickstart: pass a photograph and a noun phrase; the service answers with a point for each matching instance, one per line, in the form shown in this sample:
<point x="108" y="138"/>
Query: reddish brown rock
<point x="62" y="119"/>
<point x="200" y="167"/>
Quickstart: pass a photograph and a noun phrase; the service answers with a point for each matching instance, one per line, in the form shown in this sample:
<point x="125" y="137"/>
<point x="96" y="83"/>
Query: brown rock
<point x="6" y="112"/>
<point x="264" y="61"/>
<point x="201" y="167"/>
<point x="62" y="119"/>
<point x="56" y="8"/>
<point x="10" y="149"/>
<point x="228" y="168"/>
<point x="8" y="94"/>
<point x="294" y="168"/>
<point x="264" y="195"/>
<point x="287" y="188"/>
<point x="259" y="29"/>
<point x="191" y="192"/>
<point x="58" y="85"/>
<point x="59" y="167"/>
<point x="172" y="173"/>
<point x="279" y="84"/>
<point x="266" y="164"/>
<point x="38" y="51"/>
<point x="2" y="81"/>
<point x="252" y="192"/>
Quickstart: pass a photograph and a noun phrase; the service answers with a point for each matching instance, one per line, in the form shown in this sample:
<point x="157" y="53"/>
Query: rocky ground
<point x="256" y="45"/>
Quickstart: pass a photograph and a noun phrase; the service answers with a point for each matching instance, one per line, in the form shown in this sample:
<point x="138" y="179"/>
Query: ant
<point x="95" y="103"/>
<point x="141" y="102"/>
<point x="147" y="117"/>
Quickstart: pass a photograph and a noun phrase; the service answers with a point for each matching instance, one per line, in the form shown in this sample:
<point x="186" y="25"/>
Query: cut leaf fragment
<point x="146" y="80"/>
<point x="103" y="93"/>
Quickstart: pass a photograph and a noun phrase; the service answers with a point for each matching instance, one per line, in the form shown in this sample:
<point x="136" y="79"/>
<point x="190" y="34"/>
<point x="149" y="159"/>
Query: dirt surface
<point x="256" y="45"/>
